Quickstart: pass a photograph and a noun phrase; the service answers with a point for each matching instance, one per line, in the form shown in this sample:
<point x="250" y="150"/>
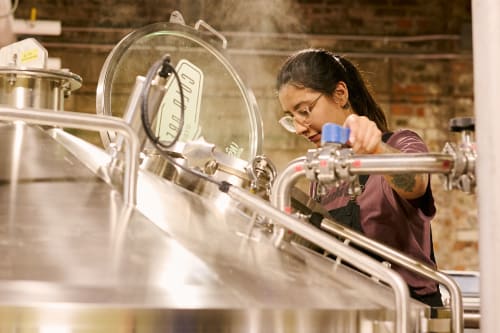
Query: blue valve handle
<point x="333" y="133"/>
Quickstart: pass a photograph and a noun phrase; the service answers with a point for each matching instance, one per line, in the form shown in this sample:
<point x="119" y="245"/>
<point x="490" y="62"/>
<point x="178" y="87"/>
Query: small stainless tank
<point x="36" y="88"/>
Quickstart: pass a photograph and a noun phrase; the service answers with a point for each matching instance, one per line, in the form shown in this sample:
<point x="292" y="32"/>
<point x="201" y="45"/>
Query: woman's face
<point x="311" y="109"/>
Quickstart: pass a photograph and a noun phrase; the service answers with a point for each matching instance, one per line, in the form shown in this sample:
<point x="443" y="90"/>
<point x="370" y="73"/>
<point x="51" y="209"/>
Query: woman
<point x="316" y="87"/>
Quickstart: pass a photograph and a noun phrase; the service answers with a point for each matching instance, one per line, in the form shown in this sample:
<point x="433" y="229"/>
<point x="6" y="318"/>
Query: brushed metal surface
<point x="28" y="154"/>
<point x="74" y="258"/>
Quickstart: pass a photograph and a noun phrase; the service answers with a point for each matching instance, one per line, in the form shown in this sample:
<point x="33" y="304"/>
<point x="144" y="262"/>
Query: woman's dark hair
<point x="321" y="70"/>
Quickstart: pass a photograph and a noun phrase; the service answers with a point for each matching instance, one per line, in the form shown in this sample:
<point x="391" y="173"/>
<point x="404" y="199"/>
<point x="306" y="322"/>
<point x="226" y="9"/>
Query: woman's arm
<point x="366" y="138"/>
<point x="408" y="185"/>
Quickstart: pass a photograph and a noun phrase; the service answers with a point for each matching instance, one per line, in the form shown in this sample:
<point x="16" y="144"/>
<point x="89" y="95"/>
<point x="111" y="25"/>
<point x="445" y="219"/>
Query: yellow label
<point x="29" y="55"/>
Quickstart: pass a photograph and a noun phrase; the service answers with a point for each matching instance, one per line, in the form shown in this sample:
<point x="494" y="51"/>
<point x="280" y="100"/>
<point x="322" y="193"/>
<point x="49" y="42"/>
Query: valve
<point x="333" y="163"/>
<point x="334" y="134"/>
<point x="333" y="139"/>
<point x="462" y="176"/>
<point x="262" y="174"/>
<point x="329" y="164"/>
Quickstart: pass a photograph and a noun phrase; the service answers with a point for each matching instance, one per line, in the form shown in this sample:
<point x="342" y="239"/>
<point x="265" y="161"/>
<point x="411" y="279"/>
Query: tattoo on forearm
<point x="405" y="182"/>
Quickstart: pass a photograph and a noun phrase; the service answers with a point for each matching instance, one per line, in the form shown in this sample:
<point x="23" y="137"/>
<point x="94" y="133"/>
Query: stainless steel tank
<point x="80" y="256"/>
<point x="75" y="258"/>
<point x="36" y="87"/>
<point x="26" y="82"/>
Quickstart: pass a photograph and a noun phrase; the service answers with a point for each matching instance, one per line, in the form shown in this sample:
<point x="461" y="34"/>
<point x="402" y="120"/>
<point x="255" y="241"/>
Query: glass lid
<point x="218" y="107"/>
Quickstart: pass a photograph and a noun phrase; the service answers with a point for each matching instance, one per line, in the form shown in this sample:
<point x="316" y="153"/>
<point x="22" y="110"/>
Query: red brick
<point x="401" y="110"/>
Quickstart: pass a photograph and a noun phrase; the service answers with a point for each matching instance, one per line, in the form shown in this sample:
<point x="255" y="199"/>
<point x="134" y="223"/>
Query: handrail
<point x="404" y="261"/>
<point x="281" y="198"/>
<point x="322" y="239"/>
<point x="87" y="122"/>
<point x="400" y="163"/>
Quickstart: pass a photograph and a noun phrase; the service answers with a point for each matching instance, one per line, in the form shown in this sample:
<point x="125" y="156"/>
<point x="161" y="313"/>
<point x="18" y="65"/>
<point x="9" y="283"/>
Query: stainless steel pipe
<point x="381" y="164"/>
<point x="334" y="246"/>
<point x="401" y="163"/>
<point x="87" y="122"/>
<point x="281" y="192"/>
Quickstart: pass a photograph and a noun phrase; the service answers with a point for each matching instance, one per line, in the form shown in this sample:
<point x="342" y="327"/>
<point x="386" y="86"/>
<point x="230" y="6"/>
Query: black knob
<point x="460" y="124"/>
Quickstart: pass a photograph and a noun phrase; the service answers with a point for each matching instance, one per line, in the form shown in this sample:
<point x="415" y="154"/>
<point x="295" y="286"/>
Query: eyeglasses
<point x="300" y="116"/>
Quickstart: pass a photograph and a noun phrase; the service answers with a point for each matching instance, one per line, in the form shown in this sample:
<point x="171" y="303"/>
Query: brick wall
<point x="415" y="53"/>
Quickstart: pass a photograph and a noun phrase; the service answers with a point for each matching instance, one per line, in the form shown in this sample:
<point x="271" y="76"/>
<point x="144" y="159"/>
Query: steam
<point x="256" y="16"/>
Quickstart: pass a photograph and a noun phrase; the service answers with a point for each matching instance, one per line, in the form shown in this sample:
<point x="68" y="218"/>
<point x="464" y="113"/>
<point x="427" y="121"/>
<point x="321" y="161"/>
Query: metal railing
<point x="87" y="122"/>
<point x="327" y="242"/>
<point x="382" y="164"/>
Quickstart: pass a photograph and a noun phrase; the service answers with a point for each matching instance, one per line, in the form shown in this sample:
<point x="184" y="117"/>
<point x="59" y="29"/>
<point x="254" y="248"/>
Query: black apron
<point x="350" y="216"/>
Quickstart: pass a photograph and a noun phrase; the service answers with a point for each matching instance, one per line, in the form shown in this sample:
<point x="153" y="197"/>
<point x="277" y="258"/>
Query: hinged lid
<point x="227" y="113"/>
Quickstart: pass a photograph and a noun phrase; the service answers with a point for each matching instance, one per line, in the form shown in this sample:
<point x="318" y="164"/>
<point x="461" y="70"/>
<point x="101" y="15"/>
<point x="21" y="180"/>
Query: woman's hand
<point x="365" y="137"/>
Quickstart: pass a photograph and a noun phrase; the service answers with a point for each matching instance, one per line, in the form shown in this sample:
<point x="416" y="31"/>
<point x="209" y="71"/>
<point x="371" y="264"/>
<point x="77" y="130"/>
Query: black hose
<point x="164" y="68"/>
